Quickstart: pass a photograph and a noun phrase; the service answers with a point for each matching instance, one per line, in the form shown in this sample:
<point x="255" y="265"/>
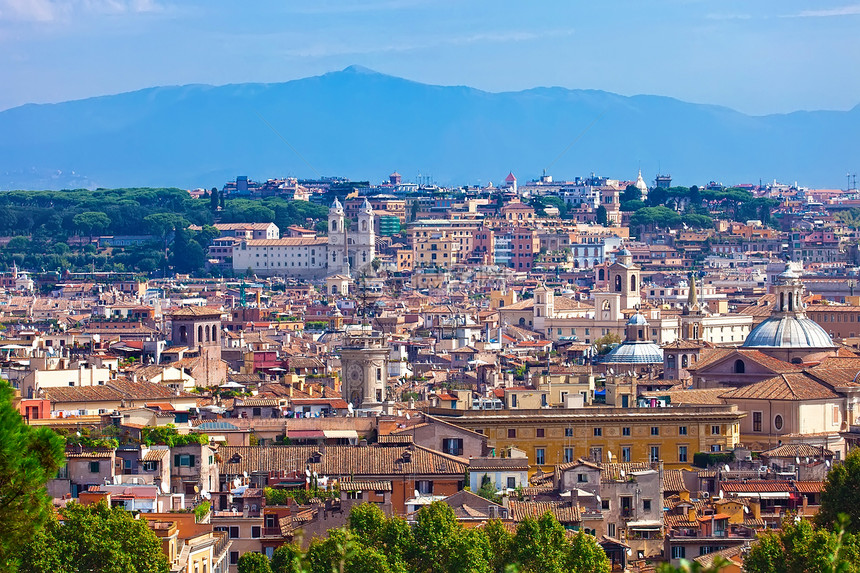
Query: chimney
<point x="691" y="513"/>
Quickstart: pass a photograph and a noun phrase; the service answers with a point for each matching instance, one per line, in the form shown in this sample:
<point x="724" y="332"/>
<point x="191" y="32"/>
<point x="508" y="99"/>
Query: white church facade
<point x="348" y="250"/>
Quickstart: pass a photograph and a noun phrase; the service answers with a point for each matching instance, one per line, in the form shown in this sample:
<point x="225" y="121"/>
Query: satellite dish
<point x="623" y="474"/>
<point x="721" y="494"/>
<point x="611" y="371"/>
<point x="746" y="509"/>
<point x="308" y="472"/>
<point x="609" y="455"/>
<point x="236" y="483"/>
<point x="598" y="498"/>
<point x="807" y="460"/>
<point x="399" y="413"/>
<point x="629" y="551"/>
<point x="827" y="462"/>
<point x="407" y="415"/>
<point x="315" y="474"/>
<point x="797" y="459"/>
<point x="245" y="474"/>
<point x="727" y="468"/>
<point x="349" y="408"/>
<point x="417" y="493"/>
<point x="164" y="487"/>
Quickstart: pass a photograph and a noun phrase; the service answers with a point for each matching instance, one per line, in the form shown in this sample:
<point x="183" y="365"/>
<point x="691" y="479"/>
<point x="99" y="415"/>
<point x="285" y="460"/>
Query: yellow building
<point x="555" y="436"/>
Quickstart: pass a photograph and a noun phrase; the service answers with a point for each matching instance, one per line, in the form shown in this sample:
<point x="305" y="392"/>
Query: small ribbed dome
<point x="640" y="183"/>
<point x="637" y="320"/>
<point x="336" y="205"/>
<point x="788" y="332"/>
<point x="644" y="352"/>
<point x="624" y="253"/>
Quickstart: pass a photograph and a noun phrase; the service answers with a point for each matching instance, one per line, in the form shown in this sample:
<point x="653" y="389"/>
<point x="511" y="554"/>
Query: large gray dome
<point x="643" y="352"/>
<point x="788" y="332"/>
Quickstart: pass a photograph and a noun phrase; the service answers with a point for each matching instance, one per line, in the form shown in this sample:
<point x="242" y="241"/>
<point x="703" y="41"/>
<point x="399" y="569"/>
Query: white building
<point x="291" y="257"/>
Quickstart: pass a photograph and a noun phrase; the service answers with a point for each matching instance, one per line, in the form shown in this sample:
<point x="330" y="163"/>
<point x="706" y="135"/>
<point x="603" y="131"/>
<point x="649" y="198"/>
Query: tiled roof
<point x="795" y="386"/>
<point x="380" y="485"/>
<point x="509" y="464"/>
<point x="714" y="355"/>
<point x="194" y="312"/>
<point x="564" y="511"/>
<point x="797" y="450"/>
<point x="809" y="486"/>
<point x="154" y="455"/>
<point x="340" y="460"/>
<point x="87" y="453"/>
<point x="757" y="486"/>
<point x="612" y="472"/>
<point x="685" y="397"/>
<point x="673" y="480"/>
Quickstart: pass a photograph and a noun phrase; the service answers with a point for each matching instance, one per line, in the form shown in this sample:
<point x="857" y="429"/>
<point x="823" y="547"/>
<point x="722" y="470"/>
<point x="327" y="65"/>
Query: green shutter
<point x="176" y="460"/>
<point x="191" y="460"/>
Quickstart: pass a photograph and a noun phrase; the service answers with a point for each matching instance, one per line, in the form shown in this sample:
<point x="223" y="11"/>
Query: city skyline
<point x="770" y="58"/>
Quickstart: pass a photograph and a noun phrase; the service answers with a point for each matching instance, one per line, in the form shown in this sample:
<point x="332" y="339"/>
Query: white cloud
<point x="58" y="10"/>
<point x="849" y="10"/>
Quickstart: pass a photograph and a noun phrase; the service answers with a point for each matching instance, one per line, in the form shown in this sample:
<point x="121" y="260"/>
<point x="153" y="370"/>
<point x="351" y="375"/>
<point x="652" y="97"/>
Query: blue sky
<point x="757" y="57"/>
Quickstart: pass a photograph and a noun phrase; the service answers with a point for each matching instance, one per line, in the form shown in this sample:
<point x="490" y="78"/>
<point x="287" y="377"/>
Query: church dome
<point x="788" y="332"/>
<point x="336" y="206"/>
<point x="640" y="183"/>
<point x="637" y="320"/>
<point x="642" y="352"/>
<point x="625" y="253"/>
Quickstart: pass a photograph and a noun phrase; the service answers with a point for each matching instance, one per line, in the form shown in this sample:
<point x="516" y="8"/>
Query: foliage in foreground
<point x="438" y="543"/>
<point x="841" y="495"/>
<point x="95" y="538"/>
<point x="29" y="457"/>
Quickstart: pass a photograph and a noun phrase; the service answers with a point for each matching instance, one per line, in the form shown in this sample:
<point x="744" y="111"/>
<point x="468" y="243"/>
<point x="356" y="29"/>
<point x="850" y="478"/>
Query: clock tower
<point x="364" y="368"/>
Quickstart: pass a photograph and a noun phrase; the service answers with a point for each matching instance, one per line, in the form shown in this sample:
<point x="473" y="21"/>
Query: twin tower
<point x="350" y="250"/>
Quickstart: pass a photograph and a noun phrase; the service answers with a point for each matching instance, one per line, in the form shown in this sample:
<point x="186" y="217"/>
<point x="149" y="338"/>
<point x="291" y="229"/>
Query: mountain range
<point x="363" y="125"/>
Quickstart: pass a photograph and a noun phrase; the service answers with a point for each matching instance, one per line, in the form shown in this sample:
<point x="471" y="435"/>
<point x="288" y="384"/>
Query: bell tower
<point x="364" y="368"/>
<point x="338" y="262"/>
<point x="624" y="279"/>
<point x="364" y="241"/>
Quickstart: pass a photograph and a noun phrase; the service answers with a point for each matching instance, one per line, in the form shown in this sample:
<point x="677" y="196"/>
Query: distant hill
<point x="363" y="125"/>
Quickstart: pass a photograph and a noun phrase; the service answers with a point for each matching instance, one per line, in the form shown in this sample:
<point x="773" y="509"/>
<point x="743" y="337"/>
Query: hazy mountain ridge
<point x="363" y="125"/>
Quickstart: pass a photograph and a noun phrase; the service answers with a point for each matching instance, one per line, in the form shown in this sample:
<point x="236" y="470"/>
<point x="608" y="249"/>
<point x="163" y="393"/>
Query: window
<point x="453" y="446"/>
<point x="568" y="455"/>
<point x="682" y="430"/>
<point x="740" y="367"/>
<point x="611" y="529"/>
<point x="646" y="505"/>
<point x="596" y="455"/>
<point x="256" y="411"/>
<point x="425" y="486"/>
<point x="756" y="421"/>
<point x="778" y="422"/>
<point x="512" y="432"/>
<point x="540" y="456"/>
<point x="234" y="557"/>
<point x="234" y="532"/>
<point x="655" y="453"/>
<point x="582" y="478"/>
<point x="679" y="552"/>
<point x="255" y="531"/>
<point x="716" y="448"/>
<point x="150" y="466"/>
<point x="598" y="432"/>
<point x="271" y="520"/>
<point x="94" y="467"/>
<point x="682" y="453"/>
<point x="604" y="504"/>
<point x="512" y="482"/>
<point x="625" y="431"/>
<point x="539" y="433"/>
<point x="715" y="430"/>
<point x="568" y="432"/>
<point x="183" y="460"/>
<point x="655" y="430"/>
<point x="625" y="454"/>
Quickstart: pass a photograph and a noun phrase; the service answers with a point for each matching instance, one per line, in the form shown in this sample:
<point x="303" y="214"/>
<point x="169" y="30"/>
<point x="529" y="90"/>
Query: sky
<point x="757" y="57"/>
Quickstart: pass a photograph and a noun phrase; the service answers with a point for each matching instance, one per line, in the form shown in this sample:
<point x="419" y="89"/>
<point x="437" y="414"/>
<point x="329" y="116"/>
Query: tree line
<point x="46" y="227"/>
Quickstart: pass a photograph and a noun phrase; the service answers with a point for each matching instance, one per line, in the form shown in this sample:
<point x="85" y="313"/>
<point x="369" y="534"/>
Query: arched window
<point x="183" y="334"/>
<point x="364" y="225"/>
<point x="214" y="334"/>
<point x="537" y="311"/>
<point x="522" y="322"/>
<point x="334" y="225"/>
<point x="199" y="334"/>
<point x="617" y="283"/>
<point x="684" y="361"/>
<point x="601" y="275"/>
<point x="670" y="361"/>
<point x="606" y="305"/>
<point x="782" y="301"/>
<point x="633" y="283"/>
<point x="740" y="367"/>
<point x="208" y="334"/>
<point x="790" y="303"/>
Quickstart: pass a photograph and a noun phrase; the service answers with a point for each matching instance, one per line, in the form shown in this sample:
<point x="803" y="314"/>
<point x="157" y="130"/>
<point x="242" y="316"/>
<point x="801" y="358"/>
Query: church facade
<point x="348" y="250"/>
